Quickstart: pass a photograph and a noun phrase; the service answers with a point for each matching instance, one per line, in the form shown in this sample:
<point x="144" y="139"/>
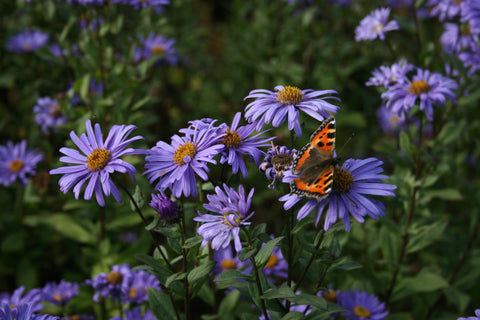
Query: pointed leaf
<point x="265" y="252"/>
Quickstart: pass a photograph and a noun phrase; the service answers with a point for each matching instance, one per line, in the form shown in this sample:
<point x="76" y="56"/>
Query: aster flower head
<point x="176" y="164"/>
<point x="156" y="44"/>
<point x="388" y="76"/>
<point x="444" y="9"/>
<point x="361" y="305"/>
<point x="166" y="208"/>
<point x="457" y="38"/>
<point x="238" y="141"/>
<point x="27" y="41"/>
<point x="99" y="159"/>
<point x="17" y="299"/>
<point x="157" y="5"/>
<point x="471" y="60"/>
<point x="226" y="260"/>
<point x="285" y="104"/>
<point x="277" y="161"/>
<point x="390" y="122"/>
<point x="375" y="25"/>
<point x="232" y="210"/>
<point x="116" y="284"/>
<point x="141" y="281"/>
<point x="353" y="182"/>
<point x="24" y="311"/>
<point x="16" y="162"/>
<point x="429" y="87"/>
<point x="477" y="316"/>
<point x="48" y="114"/>
<point x="60" y="293"/>
<point x="470" y="13"/>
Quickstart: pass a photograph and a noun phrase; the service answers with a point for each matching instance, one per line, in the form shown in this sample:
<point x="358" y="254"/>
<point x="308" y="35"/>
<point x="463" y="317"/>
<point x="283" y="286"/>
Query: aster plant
<point x="48" y="114"/>
<point x="17" y="162"/>
<point x="238" y="141"/>
<point x="360" y="305"/>
<point x="476" y="317"/>
<point x="156" y="44"/>
<point x="285" y="103"/>
<point x="376" y="25"/>
<point x="27" y="41"/>
<point x="353" y="183"/>
<point x="176" y="164"/>
<point x="232" y="210"/>
<point x="99" y="160"/>
<point x="60" y="293"/>
<point x="429" y="88"/>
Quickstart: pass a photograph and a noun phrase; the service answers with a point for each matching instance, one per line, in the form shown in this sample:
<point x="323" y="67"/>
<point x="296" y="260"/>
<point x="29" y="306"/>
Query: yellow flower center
<point x="227" y="219"/>
<point x="466" y="30"/>
<point x="133" y="292"/>
<point x="378" y="28"/>
<point x="26" y="47"/>
<point x="457" y="2"/>
<point x="231" y="139"/>
<point x="272" y="262"/>
<point x="57" y="297"/>
<point x="330" y="296"/>
<point x="361" y="311"/>
<point x="55" y="111"/>
<point x="418" y="87"/>
<point x="289" y="95"/>
<point x="75" y="317"/>
<point x="98" y="159"/>
<point x="394" y="120"/>
<point x="114" y="277"/>
<point x="188" y="149"/>
<point x="228" y="264"/>
<point x="342" y="179"/>
<point x="157" y="49"/>
<point x="15" y="165"/>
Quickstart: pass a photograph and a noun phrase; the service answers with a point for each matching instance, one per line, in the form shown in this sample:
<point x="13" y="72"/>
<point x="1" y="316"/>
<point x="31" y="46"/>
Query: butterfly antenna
<point x="346" y="142"/>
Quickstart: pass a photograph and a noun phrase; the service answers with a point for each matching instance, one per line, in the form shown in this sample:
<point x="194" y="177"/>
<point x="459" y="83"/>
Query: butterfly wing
<point x="315" y="163"/>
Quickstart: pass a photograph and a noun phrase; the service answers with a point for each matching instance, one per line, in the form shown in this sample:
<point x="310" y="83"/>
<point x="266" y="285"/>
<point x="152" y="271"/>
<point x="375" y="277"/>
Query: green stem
<point x="257" y="280"/>
<point x="289" y="254"/>
<point x="310" y="261"/>
<point x="185" y="269"/>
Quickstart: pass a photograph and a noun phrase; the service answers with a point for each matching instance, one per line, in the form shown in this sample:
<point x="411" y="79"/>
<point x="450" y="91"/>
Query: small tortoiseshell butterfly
<point x="315" y="163"/>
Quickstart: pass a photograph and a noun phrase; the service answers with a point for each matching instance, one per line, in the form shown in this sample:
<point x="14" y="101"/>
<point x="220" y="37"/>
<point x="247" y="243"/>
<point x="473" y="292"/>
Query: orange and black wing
<point x="315" y="163"/>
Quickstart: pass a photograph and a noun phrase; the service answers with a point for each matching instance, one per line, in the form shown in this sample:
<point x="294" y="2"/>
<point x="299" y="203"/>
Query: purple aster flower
<point x="388" y="76"/>
<point x="136" y="314"/>
<point x="16" y="162"/>
<point x="375" y="25"/>
<point x="470" y="13"/>
<point x="27" y="41"/>
<point x="165" y="207"/>
<point x="157" y="5"/>
<point x="361" y="306"/>
<point x="430" y="88"/>
<point x="58" y="51"/>
<point x="454" y="40"/>
<point x="100" y="160"/>
<point x="390" y="122"/>
<point x="17" y="299"/>
<point x="24" y="311"/>
<point x="352" y="183"/>
<point x="48" y="114"/>
<point x="226" y="260"/>
<point x="277" y="161"/>
<point x="232" y="210"/>
<point x="60" y="293"/>
<point x="141" y="281"/>
<point x="238" y="142"/>
<point x="128" y="237"/>
<point x="285" y="103"/>
<point x="116" y="284"/>
<point x="471" y="60"/>
<point x="79" y="317"/>
<point x="444" y="9"/>
<point x="477" y="316"/>
<point x="176" y="164"/>
<point x="156" y="44"/>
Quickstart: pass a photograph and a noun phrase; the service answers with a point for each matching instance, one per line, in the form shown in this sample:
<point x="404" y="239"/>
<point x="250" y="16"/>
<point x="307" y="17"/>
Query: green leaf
<point x="171" y="232"/>
<point x="200" y="272"/>
<point x="457" y="298"/>
<point x="390" y="243"/>
<point x="427" y="280"/>
<point x="345" y="266"/>
<point x="84" y="87"/>
<point x="65" y="225"/>
<point x="447" y="194"/>
<point x="283" y="292"/>
<point x="193" y="241"/>
<point x="425" y="235"/>
<point x="175" y="277"/>
<point x="245" y="254"/>
<point x="229" y="275"/>
<point x="138" y="197"/>
<point x="406" y="145"/>
<point x="300" y="224"/>
<point x="156" y="265"/>
<point x="228" y="304"/>
<point x="309" y="299"/>
<point x="160" y="304"/>
<point x="293" y="315"/>
<point x="265" y="252"/>
<point x="140" y="103"/>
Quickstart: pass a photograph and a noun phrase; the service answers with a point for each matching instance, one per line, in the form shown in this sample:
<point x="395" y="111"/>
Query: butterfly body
<point x="315" y="163"/>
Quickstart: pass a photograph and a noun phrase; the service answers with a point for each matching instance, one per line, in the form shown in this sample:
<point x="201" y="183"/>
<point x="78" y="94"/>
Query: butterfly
<point x="315" y="163"/>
